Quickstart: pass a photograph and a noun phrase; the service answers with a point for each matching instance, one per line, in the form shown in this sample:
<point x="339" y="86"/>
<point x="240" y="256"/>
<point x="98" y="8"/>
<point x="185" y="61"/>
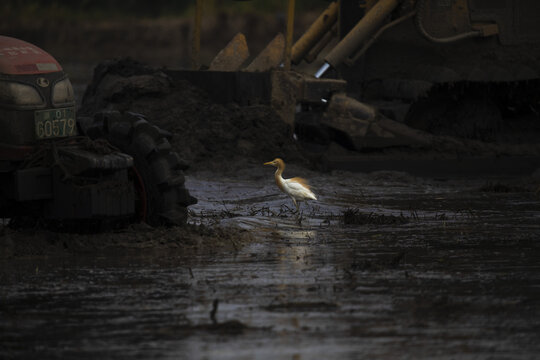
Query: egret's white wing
<point x="297" y="190"/>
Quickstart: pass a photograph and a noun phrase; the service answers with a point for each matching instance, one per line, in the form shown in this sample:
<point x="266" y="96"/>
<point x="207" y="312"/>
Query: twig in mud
<point x="213" y="313"/>
<point x="228" y="213"/>
<point x="299" y="218"/>
<point x="314" y="210"/>
<point x="440" y="216"/>
<point x="414" y="214"/>
<point x="234" y="245"/>
<point x="355" y="217"/>
<point x="472" y="214"/>
<point x="221" y="214"/>
<point x="225" y="206"/>
<point x="263" y="211"/>
<point x="325" y="222"/>
<point x="284" y="209"/>
<point x="497" y="187"/>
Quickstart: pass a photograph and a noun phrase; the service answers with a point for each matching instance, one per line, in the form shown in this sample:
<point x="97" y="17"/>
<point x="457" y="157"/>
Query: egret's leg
<point x="298" y="215"/>
<point x="295" y="203"/>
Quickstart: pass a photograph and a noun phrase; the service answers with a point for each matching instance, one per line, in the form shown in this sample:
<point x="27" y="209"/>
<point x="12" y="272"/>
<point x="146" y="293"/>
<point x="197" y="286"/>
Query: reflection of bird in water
<point x="297" y="188"/>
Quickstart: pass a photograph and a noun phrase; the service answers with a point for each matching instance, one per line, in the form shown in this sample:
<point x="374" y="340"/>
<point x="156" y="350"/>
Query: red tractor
<point x="78" y="173"/>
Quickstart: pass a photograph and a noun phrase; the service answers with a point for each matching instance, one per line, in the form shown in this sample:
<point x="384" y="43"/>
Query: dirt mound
<point x="206" y="134"/>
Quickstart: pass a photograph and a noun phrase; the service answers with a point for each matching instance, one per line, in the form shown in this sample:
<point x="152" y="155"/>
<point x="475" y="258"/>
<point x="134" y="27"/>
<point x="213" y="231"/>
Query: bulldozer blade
<point x="271" y="57"/>
<point x="232" y="56"/>
<point x="367" y="128"/>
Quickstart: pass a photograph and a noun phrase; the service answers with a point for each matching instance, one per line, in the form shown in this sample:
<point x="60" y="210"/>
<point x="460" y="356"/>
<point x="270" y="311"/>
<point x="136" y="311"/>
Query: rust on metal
<point x="232" y="56"/>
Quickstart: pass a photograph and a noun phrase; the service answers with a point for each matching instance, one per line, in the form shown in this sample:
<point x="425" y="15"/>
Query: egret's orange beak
<point x="269" y="163"/>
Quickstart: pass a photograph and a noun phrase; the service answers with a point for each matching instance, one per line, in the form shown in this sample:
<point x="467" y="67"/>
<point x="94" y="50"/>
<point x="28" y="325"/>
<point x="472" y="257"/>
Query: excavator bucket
<point x="271" y="57"/>
<point x="232" y="56"/>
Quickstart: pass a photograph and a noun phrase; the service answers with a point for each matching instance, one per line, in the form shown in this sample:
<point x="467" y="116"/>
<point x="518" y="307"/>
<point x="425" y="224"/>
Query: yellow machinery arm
<point x="363" y="29"/>
<point x="315" y="32"/>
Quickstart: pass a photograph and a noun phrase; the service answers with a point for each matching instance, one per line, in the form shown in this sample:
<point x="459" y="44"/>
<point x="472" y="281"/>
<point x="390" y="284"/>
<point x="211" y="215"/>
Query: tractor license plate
<point x="55" y="123"/>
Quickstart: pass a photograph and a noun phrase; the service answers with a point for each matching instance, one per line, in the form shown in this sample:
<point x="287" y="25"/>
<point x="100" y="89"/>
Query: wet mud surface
<point x="383" y="266"/>
<point x="419" y="268"/>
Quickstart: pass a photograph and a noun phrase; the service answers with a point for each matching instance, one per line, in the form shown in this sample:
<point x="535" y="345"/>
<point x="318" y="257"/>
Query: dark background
<point x="80" y="34"/>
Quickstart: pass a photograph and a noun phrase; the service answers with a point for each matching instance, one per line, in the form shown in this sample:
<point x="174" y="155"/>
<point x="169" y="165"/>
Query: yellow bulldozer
<point x="453" y="76"/>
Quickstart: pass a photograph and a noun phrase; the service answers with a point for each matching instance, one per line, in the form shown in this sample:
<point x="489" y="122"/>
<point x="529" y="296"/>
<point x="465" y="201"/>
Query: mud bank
<point x="137" y="240"/>
<point x="207" y="135"/>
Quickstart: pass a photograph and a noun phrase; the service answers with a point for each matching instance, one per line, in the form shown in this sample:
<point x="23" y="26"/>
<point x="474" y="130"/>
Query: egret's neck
<point x="279" y="170"/>
<point x="278" y="177"/>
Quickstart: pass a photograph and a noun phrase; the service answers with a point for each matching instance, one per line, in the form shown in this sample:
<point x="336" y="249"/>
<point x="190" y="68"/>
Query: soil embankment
<point x="207" y="135"/>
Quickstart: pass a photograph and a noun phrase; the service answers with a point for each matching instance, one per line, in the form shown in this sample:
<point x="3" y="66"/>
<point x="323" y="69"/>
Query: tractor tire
<point x="158" y="175"/>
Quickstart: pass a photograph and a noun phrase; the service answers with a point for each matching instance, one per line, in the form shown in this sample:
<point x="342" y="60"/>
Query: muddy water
<point x="458" y="276"/>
